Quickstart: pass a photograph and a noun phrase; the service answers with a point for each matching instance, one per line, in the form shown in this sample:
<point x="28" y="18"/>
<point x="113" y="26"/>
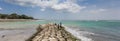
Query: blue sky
<point x="64" y="9"/>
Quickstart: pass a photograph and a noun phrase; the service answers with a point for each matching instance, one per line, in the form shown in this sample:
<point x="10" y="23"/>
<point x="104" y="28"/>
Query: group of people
<point x="59" y="25"/>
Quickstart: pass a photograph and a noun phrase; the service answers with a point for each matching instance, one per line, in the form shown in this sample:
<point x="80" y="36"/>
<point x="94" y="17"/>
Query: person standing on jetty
<point x="59" y="25"/>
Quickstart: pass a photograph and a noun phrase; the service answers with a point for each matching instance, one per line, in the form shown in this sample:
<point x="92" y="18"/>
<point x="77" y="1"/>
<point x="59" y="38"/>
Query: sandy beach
<point x="15" y="20"/>
<point x="10" y="31"/>
<point x="16" y="34"/>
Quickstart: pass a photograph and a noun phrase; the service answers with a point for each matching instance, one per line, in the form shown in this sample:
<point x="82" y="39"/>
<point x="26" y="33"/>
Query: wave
<point x="79" y="34"/>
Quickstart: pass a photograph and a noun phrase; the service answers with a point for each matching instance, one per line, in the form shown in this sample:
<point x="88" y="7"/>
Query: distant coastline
<point x="14" y="17"/>
<point x="16" y="20"/>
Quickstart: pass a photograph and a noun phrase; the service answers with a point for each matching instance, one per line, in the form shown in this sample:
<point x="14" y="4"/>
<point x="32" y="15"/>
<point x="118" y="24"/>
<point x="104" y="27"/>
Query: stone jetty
<point x="52" y="32"/>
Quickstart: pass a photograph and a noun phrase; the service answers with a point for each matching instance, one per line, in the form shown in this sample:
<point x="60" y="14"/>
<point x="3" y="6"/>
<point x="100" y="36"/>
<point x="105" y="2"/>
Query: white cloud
<point x="102" y="10"/>
<point x="1" y="8"/>
<point x="82" y="0"/>
<point x="71" y="7"/>
<point x="42" y="9"/>
<point x="97" y="11"/>
<point x="68" y="5"/>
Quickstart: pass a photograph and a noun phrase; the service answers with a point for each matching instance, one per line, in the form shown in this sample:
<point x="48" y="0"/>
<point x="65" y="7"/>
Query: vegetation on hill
<point x="14" y="16"/>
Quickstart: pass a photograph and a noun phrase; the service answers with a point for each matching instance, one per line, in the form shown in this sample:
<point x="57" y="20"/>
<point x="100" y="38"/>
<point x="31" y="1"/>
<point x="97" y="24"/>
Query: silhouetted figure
<point x="55" y="24"/>
<point x="60" y="24"/>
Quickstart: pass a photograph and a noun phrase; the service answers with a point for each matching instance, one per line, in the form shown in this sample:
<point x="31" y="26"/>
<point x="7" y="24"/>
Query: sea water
<point x="103" y="30"/>
<point x="96" y="30"/>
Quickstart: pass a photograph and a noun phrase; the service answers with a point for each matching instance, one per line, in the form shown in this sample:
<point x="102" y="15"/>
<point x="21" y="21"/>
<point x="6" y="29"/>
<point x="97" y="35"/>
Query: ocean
<point x="95" y="30"/>
<point x="102" y="30"/>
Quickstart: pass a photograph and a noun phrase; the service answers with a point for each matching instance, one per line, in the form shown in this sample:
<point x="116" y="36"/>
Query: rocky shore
<point x="52" y="32"/>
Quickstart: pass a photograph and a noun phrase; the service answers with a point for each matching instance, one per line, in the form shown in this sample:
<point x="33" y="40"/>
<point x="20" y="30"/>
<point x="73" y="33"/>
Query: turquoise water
<point x="104" y="30"/>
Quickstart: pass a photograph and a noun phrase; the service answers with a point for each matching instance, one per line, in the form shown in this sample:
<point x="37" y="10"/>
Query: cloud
<point x="67" y="5"/>
<point x="1" y="8"/>
<point x="98" y="11"/>
<point x="71" y="7"/>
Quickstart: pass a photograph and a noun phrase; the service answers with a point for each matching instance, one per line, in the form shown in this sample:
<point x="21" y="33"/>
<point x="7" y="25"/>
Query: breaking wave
<point x="79" y="34"/>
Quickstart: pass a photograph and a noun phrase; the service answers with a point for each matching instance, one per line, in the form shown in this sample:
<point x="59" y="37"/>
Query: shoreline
<point x="79" y="34"/>
<point x="26" y="28"/>
<point x="21" y="34"/>
<point x="87" y="32"/>
<point x="35" y="26"/>
<point x="16" y="20"/>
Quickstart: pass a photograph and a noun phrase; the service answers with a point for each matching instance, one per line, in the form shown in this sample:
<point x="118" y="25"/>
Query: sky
<point x="64" y="9"/>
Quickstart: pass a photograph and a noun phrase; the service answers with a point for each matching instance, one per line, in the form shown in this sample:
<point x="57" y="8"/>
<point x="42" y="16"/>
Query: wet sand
<point x="16" y="34"/>
<point x="12" y="31"/>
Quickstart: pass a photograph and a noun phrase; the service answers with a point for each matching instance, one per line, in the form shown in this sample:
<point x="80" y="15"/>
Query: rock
<point x="52" y="32"/>
<point x="3" y="36"/>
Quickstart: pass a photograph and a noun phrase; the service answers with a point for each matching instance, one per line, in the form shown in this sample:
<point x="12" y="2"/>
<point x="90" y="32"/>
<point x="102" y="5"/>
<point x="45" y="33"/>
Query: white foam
<point x="79" y="34"/>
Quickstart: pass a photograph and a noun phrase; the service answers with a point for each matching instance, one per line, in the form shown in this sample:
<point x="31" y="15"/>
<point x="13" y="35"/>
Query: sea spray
<point x="79" y="34"/>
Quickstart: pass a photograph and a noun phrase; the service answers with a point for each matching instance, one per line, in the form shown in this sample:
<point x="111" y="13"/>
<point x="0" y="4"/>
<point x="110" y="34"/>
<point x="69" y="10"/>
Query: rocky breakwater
<point x="52" y="32"/>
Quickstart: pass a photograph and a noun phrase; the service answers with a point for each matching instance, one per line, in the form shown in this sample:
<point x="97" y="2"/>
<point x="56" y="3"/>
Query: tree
<point x="14" y="16"/>
<point x="3" y="16"/>
<point x="24" y="16"/>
